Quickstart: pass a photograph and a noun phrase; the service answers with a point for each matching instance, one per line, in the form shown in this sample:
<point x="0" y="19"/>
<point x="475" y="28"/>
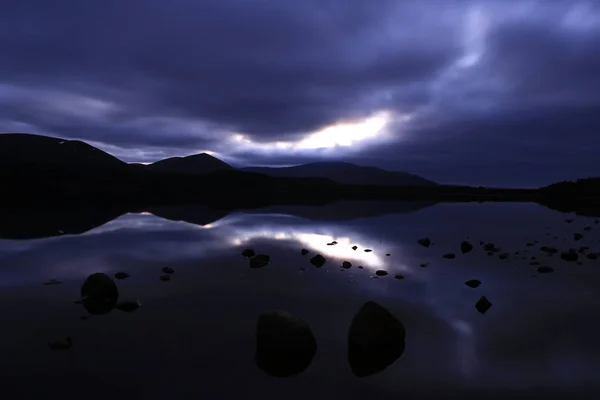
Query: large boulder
<point x="99" y="294"/>
<point x="285" y="345"/>
<point x="375" y="340"/>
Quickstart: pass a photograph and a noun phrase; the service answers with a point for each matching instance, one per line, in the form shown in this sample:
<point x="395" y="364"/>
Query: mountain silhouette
<point x="345" y="173"/>
<point x="26" y="150"/>
<point x="195" y="164"/>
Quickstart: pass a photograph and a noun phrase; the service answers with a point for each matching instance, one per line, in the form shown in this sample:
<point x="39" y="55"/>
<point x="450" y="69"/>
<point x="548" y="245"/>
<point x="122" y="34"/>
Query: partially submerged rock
<point x="51" y="282"/>
<point x="425" y="242"/>
<point x="466" y="247"/>
<point x="449" y="256"/>
<point x="285" y="345"/>
<point x="346" y="264"/>
<point x="129" y="306"/>
<point x="587" y="228"/>
<point x="318" y="261"/>
<point x="122" y="275"/>
<point x="248" y="253"/>
<point x="544" y="270"/>
<point x="99" y="294"/>
<point x="168" y="270"/>
<point x="592" y="256"/>
<point x="381" y="272"/>
<point x="61" y="343"/>
<point x="399" y="276"/>
<point x="354" y="247"/>
<point x="473" y="283"/>
<point x="376" y="339"/>
<point x="577" y="236"/>
<point x="260" y="261"/>
<point x="549" y="250"/>
<point x="483" y="304"/>
<point x="569" y="256"/>
<point x="503" y="256"/>
<point x="423" y="265"/>
<point x="368" y="250"/>
<point x="304" y="252"/>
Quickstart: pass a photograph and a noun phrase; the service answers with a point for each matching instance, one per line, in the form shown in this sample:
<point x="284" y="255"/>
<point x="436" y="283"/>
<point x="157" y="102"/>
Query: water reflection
<point x="539" y="333"/>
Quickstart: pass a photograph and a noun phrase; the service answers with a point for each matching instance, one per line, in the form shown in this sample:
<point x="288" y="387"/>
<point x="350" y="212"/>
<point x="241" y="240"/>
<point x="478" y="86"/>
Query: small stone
<point x="168" y="270"/>
<point x="483" y="304"/>
<point x="318" y="261"/>
<point x="52" y="282"/>
<point x="354" y="247"/>
<point x="399" y="276"/>
<point x="346" y="264"/>
<point x="260" y="261"/>
<point x="388" y="254"/>
<point x="449" y="256"/>
<point x="544" y="270"/>
<point x="381" y="272"/>
<point x="165" y="278"/>
<point x="61" y="343"/>
<point x="248" y="253"/>
<point x="473" y="283"/>
<point x="122" y="275"/>
<point x="569" y="256"/>
<point x="423" y="265"/>
<point x="466" y="247"/>
<point x="425" y="242"/>
<point x="368" y="250"/>
<point x="304" y="252"/>
<point x="128" y="306"/>
<point x="503" y="256"/>
<point x="360" y="267"/>
<point x="549" y="250"/>
<point x="587" y="228"/>
<point x="577" y="236"/>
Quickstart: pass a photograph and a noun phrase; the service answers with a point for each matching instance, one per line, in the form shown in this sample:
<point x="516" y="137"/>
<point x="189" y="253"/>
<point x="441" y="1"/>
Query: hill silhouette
<point x="195" y="164"/>
<point x="345" y="173"/>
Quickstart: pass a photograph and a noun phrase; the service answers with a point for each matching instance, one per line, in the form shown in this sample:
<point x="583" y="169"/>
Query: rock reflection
<point x="285" y="345"/>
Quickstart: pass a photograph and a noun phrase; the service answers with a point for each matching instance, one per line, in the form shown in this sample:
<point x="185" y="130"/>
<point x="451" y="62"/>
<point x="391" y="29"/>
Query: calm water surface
<point x="194" y="335"/>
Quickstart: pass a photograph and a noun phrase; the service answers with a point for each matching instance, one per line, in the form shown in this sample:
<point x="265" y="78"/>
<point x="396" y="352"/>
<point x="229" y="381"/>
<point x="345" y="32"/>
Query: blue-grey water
<point x="193" y="337"/>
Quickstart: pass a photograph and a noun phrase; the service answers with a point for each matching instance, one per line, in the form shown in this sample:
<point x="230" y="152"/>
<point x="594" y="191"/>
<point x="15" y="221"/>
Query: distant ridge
<point x="345" y="173"/>
<point x="195" y="164"/>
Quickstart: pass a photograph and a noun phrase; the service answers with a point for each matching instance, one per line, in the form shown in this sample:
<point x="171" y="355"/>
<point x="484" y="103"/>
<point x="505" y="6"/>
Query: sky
<point x="503" y="93"/>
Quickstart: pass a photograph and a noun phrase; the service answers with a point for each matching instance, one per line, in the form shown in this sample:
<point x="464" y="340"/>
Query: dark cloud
<point x="488" y="85"/>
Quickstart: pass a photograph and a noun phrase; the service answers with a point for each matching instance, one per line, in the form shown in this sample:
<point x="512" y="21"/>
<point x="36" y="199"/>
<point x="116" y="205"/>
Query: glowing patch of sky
<point x="343" y="134"/>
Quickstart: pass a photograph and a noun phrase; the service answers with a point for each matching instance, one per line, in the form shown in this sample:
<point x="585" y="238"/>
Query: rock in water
<point x="165" y="278"/>
<point x="577" y="236"/>
<point x="449" y="256"/>
<point x="304" y="252"/>
<point x="569" y="256"/>
<point x="545" y="270"/>
<point x="318" y="261"/>
<point x="99" y="294"/>
<point x="483" y="304"/>
<point x="503" y="256"/>
<point x="354" y="247"/>
<point x="399" y="276"/>
<point x="129" y="306"/>
<point x="248" y="253"/>
<point x="285" y="345"/>
<point x="122" y="275"/>
<point x="168" y="270"/>
<point x="375" y="340"/>
<point x="61" y="344"/>
<point x="473" y="283"/>
<point x="260" y="261"/>
<point x="381" y="272"/>
<point x="346" y="264"/>
<point x="368" y="250"/>
<point x="425" y="242"/>
<point x="466" y="247"/>
<point x="52" y="282"/>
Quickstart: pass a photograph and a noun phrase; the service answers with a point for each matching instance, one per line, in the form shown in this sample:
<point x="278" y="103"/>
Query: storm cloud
<point x="479" y="92"/>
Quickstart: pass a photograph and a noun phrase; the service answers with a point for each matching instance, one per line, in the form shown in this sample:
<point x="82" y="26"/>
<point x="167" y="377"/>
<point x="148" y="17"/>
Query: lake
<point x="194" y="335"/>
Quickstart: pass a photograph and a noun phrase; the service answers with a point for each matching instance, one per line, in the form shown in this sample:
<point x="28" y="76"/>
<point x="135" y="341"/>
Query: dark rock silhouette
<point x="592" y="256"/>
<point x="449" y="256"/>
<point x="168" y="270"/>
<point x="318" y="261"/>
<point x="99" y="294"/>
<point x="128" y="306"/>
<point x="549" y="250"/>
<point x="569" y="256"/>
<point x="483" y="304"/>
<point x="425" y="242"/>
<point x="248" y="253"/>
<point x="122" y="275"/>
<point x="503" y="256"/>
<point x="577" y="236"/>
<point x="260" y="261"/>
<point x="473" y="283"/>
<point x="466" y="247"/>
<point x="368" y="250"/>
<point x="381" y="272"/>
<point x="423" y="265"/>
<point x="399" y="276"/>
<point x="387" y="254"/>
<point x="544" y="270"/>
<point x="61" y="343"/>
<point x="354" y="247"/>
<point x="165" y="278"/>
<point x="285" y="345"/>
<point x="195" y="164"/>
<point x="587" y="228"/>
<point x="304" y="252"/>
<point x="376" y="339"/>
<point x="346" y="264"/>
